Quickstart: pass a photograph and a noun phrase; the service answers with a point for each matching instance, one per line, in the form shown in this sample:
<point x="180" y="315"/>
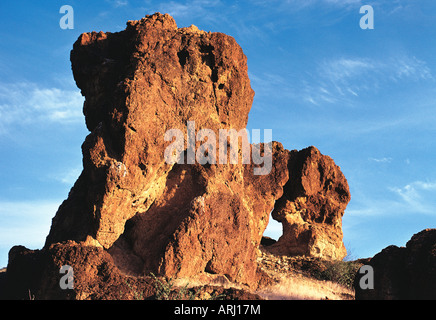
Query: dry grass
<point x="206" y="279"/>
<point x="289" y="286"/>
<point x="306" y="278"/>
<point x="298" y="287"/>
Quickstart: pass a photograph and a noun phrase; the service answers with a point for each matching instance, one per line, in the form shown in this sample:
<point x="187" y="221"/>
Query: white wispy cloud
<point x="381" y="160"/>
<point x="373" y="207"/>
<point x="419" y="196"/>
<point x="301" y="4"/>
<point x="345" y="68"/>
<point x="342" y="2"/>
<point x="121" y="3"/>
<point x="26" y="103"/>
<point x="344" y="78"/>
<point x="118" y="3"/>
<point x="68" y="177"/>
<point x="190" y="8"/>
<point x="337" y="79"/>
<point x="408" y="68"/>
<point x="266" y="82"/>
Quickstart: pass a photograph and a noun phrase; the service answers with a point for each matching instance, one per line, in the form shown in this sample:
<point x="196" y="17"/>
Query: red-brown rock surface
<point x="312" y="206"/>
<point x="150" y="215"/>
<point x="136" y="213"/>
<point x="35" y="274"/>
<point x="138" y="84"/>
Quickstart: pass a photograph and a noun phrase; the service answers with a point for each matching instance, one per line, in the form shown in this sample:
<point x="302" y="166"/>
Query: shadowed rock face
<point x="146" y="215"/>
<point x="403" y="272"/>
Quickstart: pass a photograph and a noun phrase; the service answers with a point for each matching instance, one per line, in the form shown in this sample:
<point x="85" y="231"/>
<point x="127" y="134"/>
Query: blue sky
<point x="367" y="98"/>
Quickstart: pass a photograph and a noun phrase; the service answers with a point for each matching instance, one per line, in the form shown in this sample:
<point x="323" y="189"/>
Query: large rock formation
<point x="312" y="206"/>
<point x="151" y="215"/>
<point x="143" y="213"/>
<point x="403" y="273"/>
<point x="138" y="84"/>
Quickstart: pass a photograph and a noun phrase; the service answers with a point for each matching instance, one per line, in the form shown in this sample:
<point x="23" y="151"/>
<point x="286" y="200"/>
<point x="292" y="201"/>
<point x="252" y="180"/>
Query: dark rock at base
<point x="403" y="272"/>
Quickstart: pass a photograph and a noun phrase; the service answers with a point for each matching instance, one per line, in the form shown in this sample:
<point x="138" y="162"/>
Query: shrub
<point x="341" y="272"/>
<point x="166" y="290"/>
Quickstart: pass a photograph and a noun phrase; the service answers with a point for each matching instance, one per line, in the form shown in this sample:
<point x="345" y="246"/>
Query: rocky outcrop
<point x="141" y="209"/>
<point x="138" y="84"/>
<point x="403" y="273"/>
<point x="312" y="206"/>
<point x="35" y="274"/>
<point x="151" y="215"/>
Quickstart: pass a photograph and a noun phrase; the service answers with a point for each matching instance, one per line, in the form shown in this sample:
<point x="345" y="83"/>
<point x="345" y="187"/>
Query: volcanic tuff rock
<point x="403" y="272"/>
<point x="312" y="206"/>
<point x="143" y="214"/>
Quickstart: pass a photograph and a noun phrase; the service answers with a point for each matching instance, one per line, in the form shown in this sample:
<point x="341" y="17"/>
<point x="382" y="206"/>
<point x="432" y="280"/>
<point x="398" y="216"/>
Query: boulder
<point x="312" y="206"/>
